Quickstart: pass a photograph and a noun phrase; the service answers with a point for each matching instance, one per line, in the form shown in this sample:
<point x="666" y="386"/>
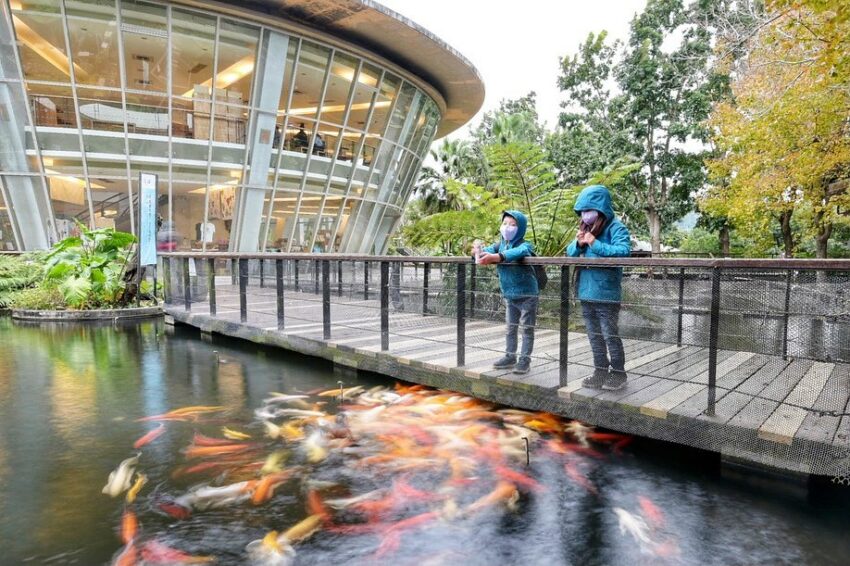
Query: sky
<point x="516" y="45"/>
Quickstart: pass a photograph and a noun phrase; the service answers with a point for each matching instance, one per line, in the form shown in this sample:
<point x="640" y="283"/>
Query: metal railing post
<point x="166" y="287"/>
<point x="681" y="307"/>
<point x="316" y="277"/>
<point x="339" y="278"/>
<point x="262" y="273"/>
<point x="243" y="290"/>
<point x="385" y="306"/>
<point x="472" y="274"/>
<point x="713" y="332"/>
<point x="234" y="272"/>
<point x="461" y="314"/>
<point x="295" y="268"/>
<point x="786" y="314"/>
<point x="564" y="355"/>
<point x="365" y="280"/>
<point x="326" y="299"/>
<point x="211" y="284"/>
<point x="278" y="275"/>
<point x="187" y="286"/>
<point x="426" y="273"/>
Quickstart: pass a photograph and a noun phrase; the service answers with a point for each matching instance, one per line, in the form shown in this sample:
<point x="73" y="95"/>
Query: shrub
<point x="17" y="273"/>
<point x="43" y="297"/>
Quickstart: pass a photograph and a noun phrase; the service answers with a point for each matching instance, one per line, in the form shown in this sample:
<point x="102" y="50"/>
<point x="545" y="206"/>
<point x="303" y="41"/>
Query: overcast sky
<point x="515" y="45"/>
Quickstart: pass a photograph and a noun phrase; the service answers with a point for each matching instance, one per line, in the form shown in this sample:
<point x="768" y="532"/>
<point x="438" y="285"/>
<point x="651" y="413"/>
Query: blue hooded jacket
<point x="601" y="283"/>
<point x="516" y="281"/>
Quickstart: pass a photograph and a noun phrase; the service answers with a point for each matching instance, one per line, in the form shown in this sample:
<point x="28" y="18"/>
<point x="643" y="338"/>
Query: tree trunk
<point x="654" y="220"/>
<point x="822" y="237"/>
<point x="787" y="234"/>
<point x="725" y="242"/>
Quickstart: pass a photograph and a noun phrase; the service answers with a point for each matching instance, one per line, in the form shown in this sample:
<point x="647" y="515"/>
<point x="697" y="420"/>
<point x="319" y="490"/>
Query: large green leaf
<point x="75" y="291"/>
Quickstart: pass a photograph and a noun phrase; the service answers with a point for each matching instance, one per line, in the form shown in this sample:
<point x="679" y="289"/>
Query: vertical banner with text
<point x="147" y="219"/>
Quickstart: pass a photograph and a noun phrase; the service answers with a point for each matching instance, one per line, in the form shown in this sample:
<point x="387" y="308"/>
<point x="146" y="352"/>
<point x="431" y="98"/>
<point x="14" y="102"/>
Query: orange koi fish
<point x="184" y="414"/>
<point x="518" y="478"/>
<point x="157" y="553"/>
<point x="174" y="510"/>
<point x="203" y="440"/>
<point x="651" y="512"/>
<point x="129" y="526"/>
<point x="315" y="506"/>
<point x="302" y="530"/>
<point x="207" y="451"/>
<point x="265" y="487"/>
<point x="504" y="491"/>
<point x="150" y="436"/>
<point x="575" y="474"/>
<point x="129" y="556"/>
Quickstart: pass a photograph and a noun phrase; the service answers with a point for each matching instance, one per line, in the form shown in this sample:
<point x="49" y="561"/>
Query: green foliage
<point x="46" y="296"/>
<point x="17" y="273"/>
<point x="89" y="269"/>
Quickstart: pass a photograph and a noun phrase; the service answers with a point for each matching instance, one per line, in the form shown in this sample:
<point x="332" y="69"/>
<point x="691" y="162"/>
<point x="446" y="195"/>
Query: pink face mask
<point x="589" y="216"/>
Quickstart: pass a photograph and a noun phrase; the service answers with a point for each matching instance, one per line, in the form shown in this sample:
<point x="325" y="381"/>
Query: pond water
<point x="71" y="397"/>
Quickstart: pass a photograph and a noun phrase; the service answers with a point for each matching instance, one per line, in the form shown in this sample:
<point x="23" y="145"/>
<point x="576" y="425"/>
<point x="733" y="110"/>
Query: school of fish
<point x="433" y="458"/>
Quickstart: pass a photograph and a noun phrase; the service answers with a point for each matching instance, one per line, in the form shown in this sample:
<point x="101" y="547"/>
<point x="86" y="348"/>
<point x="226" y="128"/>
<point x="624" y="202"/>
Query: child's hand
<point x="487" y="259"/>
<point x="589" y="238"/>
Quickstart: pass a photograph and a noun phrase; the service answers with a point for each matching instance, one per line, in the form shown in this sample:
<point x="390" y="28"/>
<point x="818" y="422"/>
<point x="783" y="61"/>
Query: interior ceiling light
<point x="228" y="76"/>
<point x="75" y="180"/>
<point x="338" y="108"/>
<point x="46" y="50"/>
<point x="217" y="187"/>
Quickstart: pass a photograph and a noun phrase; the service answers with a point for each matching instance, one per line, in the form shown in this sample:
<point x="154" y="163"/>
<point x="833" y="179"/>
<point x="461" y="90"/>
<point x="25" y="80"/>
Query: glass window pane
<point x="309" y="77"/>
<point x="7" y="237"/>
<point x="145" y="45"/>
<point x="101" y="110"/>
<point x="41" y="41"/>
<point x="52" y="105"/>
<point x="94" y="44"/>
<point x="237" y="56"/>
<point x="389" y="88"/>
<point x="288" y="78"/>
<point x="343" y="70"/>
<point x="192" y="53"/>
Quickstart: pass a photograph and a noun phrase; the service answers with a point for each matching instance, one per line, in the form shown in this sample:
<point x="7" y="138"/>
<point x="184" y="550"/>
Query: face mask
<point x="589" y="216"/>
<point x="508" y="232"/>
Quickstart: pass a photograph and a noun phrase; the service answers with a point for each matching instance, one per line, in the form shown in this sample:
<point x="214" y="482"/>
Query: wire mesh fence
<point x="757" y="351"/>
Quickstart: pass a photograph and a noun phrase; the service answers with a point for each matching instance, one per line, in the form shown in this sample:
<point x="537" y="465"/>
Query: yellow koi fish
<point x="120" y="478"/>
<point x="141" y="480"/>
<point x="234" y="434"/>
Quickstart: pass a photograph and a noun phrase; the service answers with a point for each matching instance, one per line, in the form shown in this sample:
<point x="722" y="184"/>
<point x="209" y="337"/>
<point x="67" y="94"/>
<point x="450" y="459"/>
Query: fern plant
<point x="16" y="274"/>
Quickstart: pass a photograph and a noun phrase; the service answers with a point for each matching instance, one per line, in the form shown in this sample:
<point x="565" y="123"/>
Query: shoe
<point x="616" y="380"/>
<point x="596" y="380"/>
<point x="505" y="362"/>
<point x="522" y="366"/>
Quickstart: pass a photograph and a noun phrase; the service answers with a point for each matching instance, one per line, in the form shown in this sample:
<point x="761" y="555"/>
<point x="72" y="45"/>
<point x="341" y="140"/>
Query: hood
<point x="595" y="197"/>
<point x="521" y="223"/>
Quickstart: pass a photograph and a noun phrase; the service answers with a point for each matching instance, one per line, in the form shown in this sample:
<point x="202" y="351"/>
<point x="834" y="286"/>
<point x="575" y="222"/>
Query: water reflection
<point x="70" y="397"/>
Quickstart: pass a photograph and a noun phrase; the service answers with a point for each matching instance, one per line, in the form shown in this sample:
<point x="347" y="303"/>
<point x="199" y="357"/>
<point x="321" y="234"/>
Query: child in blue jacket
<point x="601" y="234"/>
<point x="519" y="289"/>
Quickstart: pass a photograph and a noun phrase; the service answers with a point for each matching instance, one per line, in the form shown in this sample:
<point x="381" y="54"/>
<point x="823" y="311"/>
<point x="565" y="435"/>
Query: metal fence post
<point x="262" y="273"/>
<point x="681" y="306"/>
<point x="295" y="268"/>
<point x="243" y="290"/>
<point x="278" y="275"/>
<point x="385" y="306"/>
<point x="316" y="276"/>
<point x="786" y="314"/>
<point x="339" y="278"/>
<point x="713" y="332"/>
<point x="472" y="275"/>
<point x="211" y="284"/>
<point x="187" y="286"/>
<point x="234" y="273"/>
<point x="564" y="356"/>
<point x="166" y="287"/>
<point x="326" y="299"/>
<point x="461" y="314"/>
<point x="365" y="280"/>
<point x="426" y="273"/>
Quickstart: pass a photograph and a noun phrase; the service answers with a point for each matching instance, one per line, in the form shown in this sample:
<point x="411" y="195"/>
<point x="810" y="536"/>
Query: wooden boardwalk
<point x="785" y="414"/>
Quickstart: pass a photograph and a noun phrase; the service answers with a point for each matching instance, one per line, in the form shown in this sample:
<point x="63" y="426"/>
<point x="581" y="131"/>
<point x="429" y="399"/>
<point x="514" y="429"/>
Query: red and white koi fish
<point x="651" y="512"/>
<point x="154" y="552"/>
<point x="150" y="436"/>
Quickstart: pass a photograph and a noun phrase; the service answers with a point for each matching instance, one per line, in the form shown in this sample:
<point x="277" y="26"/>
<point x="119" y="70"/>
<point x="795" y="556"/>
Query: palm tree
<point x="453" y="159"/>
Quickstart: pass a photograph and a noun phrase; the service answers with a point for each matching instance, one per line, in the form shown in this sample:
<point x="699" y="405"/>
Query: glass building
<point x="289" y="125"/>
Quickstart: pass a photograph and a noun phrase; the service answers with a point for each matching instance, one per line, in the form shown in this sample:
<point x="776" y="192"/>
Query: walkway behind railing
<point x="758" y="349"/>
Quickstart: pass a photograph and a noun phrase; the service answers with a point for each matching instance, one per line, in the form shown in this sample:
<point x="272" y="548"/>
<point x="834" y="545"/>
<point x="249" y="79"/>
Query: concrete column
<point x="266" y="99"/>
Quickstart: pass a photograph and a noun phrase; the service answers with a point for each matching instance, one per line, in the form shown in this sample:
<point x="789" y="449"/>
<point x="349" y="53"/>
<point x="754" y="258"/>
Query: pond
<point x="392" y="474"/>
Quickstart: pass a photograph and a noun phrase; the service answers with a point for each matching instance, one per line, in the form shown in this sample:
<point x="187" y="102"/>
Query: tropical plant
<point x="17" y="273"/>
<point x="89" y="269"/>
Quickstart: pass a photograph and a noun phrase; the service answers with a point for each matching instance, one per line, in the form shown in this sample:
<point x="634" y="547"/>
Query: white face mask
<point x="508" y="232"/>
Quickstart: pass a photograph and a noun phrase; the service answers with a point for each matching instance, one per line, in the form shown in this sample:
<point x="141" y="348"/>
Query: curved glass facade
<point x="261" y="139"/>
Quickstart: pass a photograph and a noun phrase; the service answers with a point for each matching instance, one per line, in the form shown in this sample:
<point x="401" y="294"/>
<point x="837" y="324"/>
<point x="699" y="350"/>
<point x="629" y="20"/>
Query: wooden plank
<point x="763" y="403"/>
<point x="834" y="397"/>
<point x="659" y="406"/>
<point x="782" y="425"/>
<point x="650" y="357"/>
<point x="696" y="405"/>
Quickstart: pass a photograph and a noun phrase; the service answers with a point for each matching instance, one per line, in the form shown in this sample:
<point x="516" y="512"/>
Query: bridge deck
<point x="768" y="411"/>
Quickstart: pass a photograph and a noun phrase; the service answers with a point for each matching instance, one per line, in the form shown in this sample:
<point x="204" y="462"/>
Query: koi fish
<point x="651" y="512"/>
<point x="150" y="436"/>
<point x="633" y="525"/>
<point x="234" y="434"/>
<point x="207" y="497"/>
<point x="579" y="431"/>
<point x="347" y="392"/>
<point x="199" y="439"/>
<point x="270" y="551"/>
<point x="120" y="478"/>
<point x="174" y="510"/>
<point x="184" y="414"/>
<point x="141" y="480"/>
<point x="291" y="432"/>
<point x="129" y="556"/>
<point x="517" y="478"/>
<point x="316" y="507"/>
<point x="504" y="491"/>
<point x="315" y="451"/>
<point x="155" y="552"/>
<point x="348" y="502"/>
<point x="265" y="487"/>
<point x="129" y="526"/>
<point x="578" y="477"/>
<point x="207" y="451"/>
<point x="273" y="462"/>
<point x="302" y="530"/>
<point x="272" y="430"/>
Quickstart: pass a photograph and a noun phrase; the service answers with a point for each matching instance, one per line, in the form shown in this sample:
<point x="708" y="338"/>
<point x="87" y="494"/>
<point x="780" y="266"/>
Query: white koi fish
<point x="121" y="478"/>
<point x="270" y="551"/>
<point x="206" y="497"/>
<point x="633" y="525"/>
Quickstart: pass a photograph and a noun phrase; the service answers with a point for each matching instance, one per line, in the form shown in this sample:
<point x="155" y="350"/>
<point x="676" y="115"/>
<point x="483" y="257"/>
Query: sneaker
<point x="615" y="380"/>
<point x="596" y="380"/>
<point x="522" y="366"/>
<point x="505" y="362"/>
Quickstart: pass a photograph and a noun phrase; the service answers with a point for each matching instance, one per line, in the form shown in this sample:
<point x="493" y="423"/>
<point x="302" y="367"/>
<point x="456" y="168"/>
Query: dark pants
<point x="602" y="321"/>
<point x="521" y="314"/>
